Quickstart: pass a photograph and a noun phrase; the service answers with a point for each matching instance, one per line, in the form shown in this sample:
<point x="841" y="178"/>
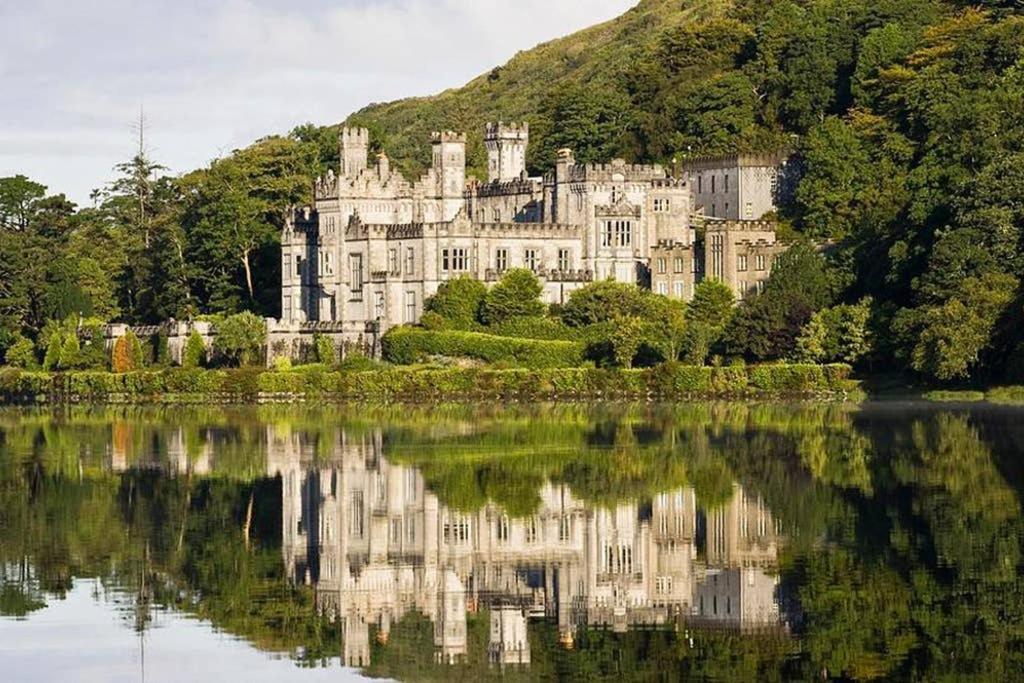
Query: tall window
<point x="726" y="182"/>
<point x="677" y="264"/>
<point x="712" y="184"/>
<point x="410" y="307"/>
<point x="378" y="305"/>
<point x="393" y="261"/>
<point x="759" y="261"/>
<point x="741" y="262"/>
<point x="298" y="266"/>
<point x="663" y="288"/>
<point x="606" y="233"/>
<point x="503" y="529"/>
<point x="355" y="265"/>
<point x="677" y="289"/>
<point x="700" y="184"/>
<point x="530" y="259"/>
<point x="328" y="263"/>
<point x="287" y="269"/>
<point x="661" y="265"/>
<point x="410" y="261"/>
<point x="564" y="260"/>
<point x="623" y="233"/>
<point x="501" y="259"/>
<point x="454" y="260"/>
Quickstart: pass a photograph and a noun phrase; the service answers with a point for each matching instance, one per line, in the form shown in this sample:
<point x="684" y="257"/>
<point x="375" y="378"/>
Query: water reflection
<point x="709" y="541"/>
<point x="375" y="543"/>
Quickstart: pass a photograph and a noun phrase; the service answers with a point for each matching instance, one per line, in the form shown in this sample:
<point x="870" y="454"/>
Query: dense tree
<point x="603" y="301"/>
<point x="240" y="338"/>
<point x="516" y="295"/>
<point x="458" y="302"/>
<point x="766" y="325"/>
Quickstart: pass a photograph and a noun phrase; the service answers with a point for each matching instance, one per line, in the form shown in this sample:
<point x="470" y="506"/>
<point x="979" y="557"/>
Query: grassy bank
<point x="666" y="382"/>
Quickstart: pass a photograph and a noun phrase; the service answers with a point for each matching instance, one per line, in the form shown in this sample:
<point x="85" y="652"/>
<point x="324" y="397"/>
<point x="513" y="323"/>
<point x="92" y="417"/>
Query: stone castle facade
<point x="375" y="246"/>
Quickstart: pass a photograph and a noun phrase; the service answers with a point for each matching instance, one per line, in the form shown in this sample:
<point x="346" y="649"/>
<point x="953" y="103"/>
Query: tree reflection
<point x="875" y="542"/>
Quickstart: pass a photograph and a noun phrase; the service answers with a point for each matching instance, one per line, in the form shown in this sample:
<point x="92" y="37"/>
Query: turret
<point x="354" y="147"/>
<point x="450" y="163"/>
<point x="506" y="150"/>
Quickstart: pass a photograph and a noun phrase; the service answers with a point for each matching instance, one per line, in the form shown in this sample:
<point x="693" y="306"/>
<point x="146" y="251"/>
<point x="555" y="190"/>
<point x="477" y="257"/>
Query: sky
<point x="214" y="75"/>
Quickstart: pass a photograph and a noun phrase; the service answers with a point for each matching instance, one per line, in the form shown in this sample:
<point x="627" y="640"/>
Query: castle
<point x="375" y="246"/>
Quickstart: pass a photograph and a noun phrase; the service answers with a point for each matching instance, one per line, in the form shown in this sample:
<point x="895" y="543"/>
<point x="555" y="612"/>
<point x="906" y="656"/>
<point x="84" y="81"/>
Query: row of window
<point x="678" y="290"/>
<point x="700" y="183"/>
<point x="456" y="259"/>
<point x="760" y="262"/>
<point x="677" y="265"/>
<point x="746" y="287"/>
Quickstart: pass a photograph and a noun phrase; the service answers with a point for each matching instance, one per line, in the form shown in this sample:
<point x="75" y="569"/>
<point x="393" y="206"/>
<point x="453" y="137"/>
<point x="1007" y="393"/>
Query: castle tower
<point x="354" y="147"/>
<point x="506" y="150"/>
<point x="450" y="170"/>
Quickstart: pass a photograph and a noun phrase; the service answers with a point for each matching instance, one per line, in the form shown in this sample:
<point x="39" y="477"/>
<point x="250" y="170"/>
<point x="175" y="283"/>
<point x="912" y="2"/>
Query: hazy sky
<point x="213" y="75"/>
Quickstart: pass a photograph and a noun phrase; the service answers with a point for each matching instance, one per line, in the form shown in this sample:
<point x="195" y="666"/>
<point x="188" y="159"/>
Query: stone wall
<point x="293" y="340"/>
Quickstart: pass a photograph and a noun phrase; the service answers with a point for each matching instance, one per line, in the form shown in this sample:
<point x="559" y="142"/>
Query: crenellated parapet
<point x="616" y="171"/>
<point x="445" y="136"/>
<point x="500" y="188"/>
<point x="523" y="230"/>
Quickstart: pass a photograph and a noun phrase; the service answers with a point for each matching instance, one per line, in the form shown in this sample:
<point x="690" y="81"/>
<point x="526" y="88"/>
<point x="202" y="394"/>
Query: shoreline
<point x="412" y="385"/>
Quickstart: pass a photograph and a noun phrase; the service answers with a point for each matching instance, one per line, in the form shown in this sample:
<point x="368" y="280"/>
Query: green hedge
<point x="408" y="345"/>
<point x="667" y="382"/>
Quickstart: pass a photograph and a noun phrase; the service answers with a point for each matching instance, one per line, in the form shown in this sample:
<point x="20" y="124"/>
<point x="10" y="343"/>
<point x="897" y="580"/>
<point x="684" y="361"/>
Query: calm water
<point x="700" y="542"/>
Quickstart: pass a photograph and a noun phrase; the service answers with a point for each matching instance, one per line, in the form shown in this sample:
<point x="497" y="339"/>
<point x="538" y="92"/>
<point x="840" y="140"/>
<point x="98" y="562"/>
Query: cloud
<point x="215" y="74"/>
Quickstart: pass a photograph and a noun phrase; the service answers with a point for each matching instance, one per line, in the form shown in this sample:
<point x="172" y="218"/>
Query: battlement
<point x="513" y="230"/>
<point x="742" y="226"/>
<point x="617" y="167"/>
<point x="506" y="131"/>
<point x="501" y="188"/>
<point x="669" y="183"/>
<point x="354" y="136"/>
<point x="713" y="162"/>
<point x="438" y="137"/>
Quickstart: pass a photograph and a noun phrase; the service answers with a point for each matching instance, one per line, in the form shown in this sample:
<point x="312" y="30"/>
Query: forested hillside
<point x="909" y="116"/>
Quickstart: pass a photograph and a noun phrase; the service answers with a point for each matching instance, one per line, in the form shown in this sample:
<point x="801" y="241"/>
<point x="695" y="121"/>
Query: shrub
<point x="240" y="338"/>
<point x="282" y="364"/>
<point x="21" y="354"/>
<point x="127" y="355"/>
<point x="53" y="350"/>
<point x="406" y="345"/>
<point x="604" y="301"/>
<point x="194" y="353"/>
<point x="534" y="327"/>
<point x="626" y="340"/>
<point x="458" y="301"/>
<point x="434" y="321"/>
<point x="325" y="351"/>
<point x="161" y="351"/>
<point x="516" y="295"/>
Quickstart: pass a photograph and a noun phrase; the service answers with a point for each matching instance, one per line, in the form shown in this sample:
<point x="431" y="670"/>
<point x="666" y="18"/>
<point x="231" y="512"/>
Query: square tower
<point x="354" y="146"/>
<point x="450" y="163"/>
<point x="506" y="150"/>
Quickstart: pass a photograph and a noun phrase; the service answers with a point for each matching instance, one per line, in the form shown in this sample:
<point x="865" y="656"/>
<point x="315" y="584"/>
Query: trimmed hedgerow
<point x="667" y="382"/>
<point x="408" y="345"/>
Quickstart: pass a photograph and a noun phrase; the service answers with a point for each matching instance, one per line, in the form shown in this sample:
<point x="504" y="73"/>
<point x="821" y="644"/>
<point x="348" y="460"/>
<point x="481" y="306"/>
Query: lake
<point x="705" y="541"/>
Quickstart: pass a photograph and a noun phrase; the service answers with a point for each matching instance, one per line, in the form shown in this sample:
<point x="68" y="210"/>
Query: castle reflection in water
<point x="375" y="543"/>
